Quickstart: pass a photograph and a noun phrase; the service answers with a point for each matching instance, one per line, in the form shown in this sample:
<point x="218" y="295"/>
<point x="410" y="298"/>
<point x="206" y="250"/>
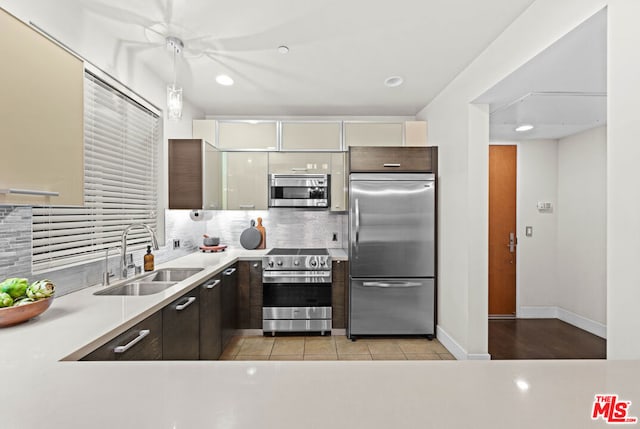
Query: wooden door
<point x="502" y="229"/>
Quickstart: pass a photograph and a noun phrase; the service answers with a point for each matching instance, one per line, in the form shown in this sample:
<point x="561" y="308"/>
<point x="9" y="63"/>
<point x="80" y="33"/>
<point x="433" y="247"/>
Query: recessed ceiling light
<point x="524" y="127"/>
<point x="225" y="80"/>
<point x="393" y="81"/>
<point x="283" y="49"/>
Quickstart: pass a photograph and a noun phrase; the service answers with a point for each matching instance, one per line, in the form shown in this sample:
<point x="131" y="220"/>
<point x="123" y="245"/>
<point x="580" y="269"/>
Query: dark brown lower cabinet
<point x="250" y="295"/>
<point x="339" y="288"/>
<point x="141" y="342"/>
<point x="181" y="328"/>
<point x="229" y="311"/>
<point x="211" y="318"/>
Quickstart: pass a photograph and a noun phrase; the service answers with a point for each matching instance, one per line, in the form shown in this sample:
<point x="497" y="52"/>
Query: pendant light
<point x="174" y="92"/>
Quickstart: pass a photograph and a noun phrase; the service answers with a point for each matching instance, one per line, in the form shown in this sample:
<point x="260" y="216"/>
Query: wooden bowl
<point x="14" y="315"/>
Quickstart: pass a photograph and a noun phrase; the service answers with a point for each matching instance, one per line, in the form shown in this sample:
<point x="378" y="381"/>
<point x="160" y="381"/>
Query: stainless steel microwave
<point x="299" y="190"/>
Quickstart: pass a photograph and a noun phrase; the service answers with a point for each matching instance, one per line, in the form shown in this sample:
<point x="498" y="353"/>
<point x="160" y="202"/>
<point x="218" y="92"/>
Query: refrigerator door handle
<point x="391" y="284"/>
<point x="357" y="213"/>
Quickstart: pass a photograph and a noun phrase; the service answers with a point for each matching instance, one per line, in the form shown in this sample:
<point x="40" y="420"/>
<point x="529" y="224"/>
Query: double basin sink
<point x="150" y="283"/>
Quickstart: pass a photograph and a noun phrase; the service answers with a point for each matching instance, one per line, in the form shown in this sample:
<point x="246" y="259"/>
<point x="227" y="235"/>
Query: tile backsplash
<point x="285" y="228"/>
<point x="15" y="242"/>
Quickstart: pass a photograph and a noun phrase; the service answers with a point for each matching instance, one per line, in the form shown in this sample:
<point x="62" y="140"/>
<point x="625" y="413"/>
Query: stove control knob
<point x="314" y="263"/>
<point x="271" y="263"/>
<point x="296" y="262"/>
<point x="279" y="263"/>
<point x="322" y="262"/>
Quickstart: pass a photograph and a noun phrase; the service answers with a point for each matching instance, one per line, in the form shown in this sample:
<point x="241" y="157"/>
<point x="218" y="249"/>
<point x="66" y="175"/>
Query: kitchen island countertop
<point x="41" y="391"/>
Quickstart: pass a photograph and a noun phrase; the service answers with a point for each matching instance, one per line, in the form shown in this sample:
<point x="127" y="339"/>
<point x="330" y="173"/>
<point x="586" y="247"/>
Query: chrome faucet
<point x="123" y="246"/>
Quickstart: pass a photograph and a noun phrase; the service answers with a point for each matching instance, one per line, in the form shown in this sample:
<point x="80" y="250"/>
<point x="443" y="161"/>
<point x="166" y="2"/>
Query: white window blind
<point x="121" y="140"/>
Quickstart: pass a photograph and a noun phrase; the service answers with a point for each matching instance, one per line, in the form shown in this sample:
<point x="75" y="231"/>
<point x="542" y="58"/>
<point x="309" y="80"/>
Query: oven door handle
<point x="296" y="274"/>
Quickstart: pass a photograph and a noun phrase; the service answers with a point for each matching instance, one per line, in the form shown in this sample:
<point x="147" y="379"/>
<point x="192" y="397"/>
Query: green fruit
<point x="40" y="289"/>
<point x="15" y="287"/>
<point x="22" y="301"/>
<point x="5" y="300"/>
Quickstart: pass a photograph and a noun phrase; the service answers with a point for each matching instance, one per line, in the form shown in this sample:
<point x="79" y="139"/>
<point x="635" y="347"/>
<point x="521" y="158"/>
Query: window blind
<point x="121" y="139"/>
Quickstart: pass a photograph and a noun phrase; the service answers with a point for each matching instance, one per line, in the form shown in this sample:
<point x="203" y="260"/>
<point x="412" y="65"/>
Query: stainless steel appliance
<point x="296" y="291"/>
<point x="391" y="254"/>
<point x="299" y="190"/>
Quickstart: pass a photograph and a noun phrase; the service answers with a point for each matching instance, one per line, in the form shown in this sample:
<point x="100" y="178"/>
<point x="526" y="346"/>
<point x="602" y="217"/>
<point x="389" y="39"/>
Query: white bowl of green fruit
<point x="21" y="300"/>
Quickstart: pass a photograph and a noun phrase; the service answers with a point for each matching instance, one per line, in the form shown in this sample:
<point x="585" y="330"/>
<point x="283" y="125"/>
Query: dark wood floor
<point x="542" y="339"/>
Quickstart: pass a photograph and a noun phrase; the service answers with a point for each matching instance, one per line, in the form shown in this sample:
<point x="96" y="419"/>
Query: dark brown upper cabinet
<point x="387" y="159"/>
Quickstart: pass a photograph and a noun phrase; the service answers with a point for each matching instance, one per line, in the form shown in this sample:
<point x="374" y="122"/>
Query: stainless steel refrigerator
<point x="391" y="254"/>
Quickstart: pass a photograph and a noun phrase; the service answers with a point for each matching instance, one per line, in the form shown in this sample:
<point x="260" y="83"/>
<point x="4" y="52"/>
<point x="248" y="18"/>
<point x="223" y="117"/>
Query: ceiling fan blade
<point x="166" y="7"/>
<point x="118" y="14"/>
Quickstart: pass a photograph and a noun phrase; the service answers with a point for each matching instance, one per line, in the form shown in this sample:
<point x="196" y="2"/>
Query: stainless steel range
<point x="296" y="294"/>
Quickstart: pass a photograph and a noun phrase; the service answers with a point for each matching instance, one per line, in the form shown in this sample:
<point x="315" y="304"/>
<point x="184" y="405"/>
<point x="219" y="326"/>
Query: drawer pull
<point x="190" y="301"/>
<point x="212" y="284"/>
<point x="391" y="165"/>
<point x="136" y="340"/>
<point x="229" y="271"/>
<point x="299" y="169"/>
<point x="247" y="206"/>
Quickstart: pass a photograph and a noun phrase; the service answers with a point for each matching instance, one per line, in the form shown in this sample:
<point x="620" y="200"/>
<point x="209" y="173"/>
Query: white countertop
<point x="40" y="391"/>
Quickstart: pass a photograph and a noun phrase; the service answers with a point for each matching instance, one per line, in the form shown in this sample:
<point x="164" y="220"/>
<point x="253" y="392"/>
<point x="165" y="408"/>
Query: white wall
<point x="581" y="250"/>
<point x="462" y="285"/>
<point x="623" y="203"/>
<point x="536" y="264"/>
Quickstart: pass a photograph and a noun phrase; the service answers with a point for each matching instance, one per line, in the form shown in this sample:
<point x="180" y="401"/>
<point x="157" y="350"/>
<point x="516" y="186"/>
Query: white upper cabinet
<point x="300" y="162"/>
<point x="41" y="119"/>
<point x="246" y="181"/>
<point x="311" y="136"/>
<point x="373" y="133"/>
<point x="339" y="183"/>
<point x="415" y="133"/>
<point x="247" y="135"/>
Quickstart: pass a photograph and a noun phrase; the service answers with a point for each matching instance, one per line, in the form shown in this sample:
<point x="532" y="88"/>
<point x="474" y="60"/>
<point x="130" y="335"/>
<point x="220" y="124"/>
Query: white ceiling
<point x="561" y="91"/>
<point x="340" y="51"/>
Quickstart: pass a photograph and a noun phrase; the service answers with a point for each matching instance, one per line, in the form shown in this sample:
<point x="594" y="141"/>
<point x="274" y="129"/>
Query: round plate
<point x="250" y="238"/>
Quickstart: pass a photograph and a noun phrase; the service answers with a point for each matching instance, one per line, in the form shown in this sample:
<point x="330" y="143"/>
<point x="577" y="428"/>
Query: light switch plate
<point x="528" y="231"/>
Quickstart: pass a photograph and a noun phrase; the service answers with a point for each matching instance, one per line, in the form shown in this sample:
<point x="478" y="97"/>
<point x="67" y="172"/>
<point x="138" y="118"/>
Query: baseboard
<point x="551" y="312"/>
<point x="596" y="328"/>
<point x="456" y="349"/>
<point x="537" y="312"/>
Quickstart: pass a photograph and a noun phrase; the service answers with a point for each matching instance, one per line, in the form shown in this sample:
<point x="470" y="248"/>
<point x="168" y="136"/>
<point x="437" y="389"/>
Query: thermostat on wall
<point x="544" y="205"/>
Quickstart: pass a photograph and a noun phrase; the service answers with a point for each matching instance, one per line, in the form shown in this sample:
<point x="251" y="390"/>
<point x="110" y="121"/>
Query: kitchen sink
<point x="136" y="288"/>
<point x="170" y="274"/>
<point x="150" y="283"/>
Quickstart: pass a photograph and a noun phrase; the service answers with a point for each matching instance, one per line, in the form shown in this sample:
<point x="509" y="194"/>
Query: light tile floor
<point x="337" y="347"/>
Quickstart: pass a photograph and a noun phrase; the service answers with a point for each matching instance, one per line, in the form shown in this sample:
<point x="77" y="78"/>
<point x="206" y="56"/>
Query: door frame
<point x="518" y="313"/>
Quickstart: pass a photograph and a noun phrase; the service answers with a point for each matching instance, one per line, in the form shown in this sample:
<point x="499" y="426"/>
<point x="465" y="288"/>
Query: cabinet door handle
<point x="190" y="301"/>
<point x="29" y="192"/>
<point x="229" y="271"/>
<point x="212" y="284"/>
<point x="247" y="206"/>
<point x="391" y="165"/>
<point x="256" y="265"/>
<point x="136" y="340"/>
